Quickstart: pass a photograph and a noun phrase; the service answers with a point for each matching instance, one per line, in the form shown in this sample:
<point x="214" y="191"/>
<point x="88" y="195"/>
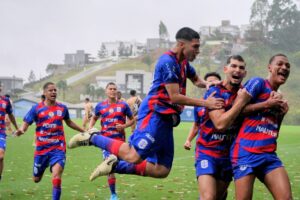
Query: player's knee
<point x="207" y="196"/>
<point x="1" y="157"/>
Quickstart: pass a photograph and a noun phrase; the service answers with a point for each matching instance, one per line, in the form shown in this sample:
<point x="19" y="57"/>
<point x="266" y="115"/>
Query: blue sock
<point x="106" y="143"/>
<point x="56" y="190"/>
<point x="112" y="185"/>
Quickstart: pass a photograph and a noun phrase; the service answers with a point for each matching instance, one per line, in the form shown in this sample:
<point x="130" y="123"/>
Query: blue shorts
<point x="41" y="162"/>
<point x="3" y="141"/>
<point x="219" y="168"/>
<point x="257" y="164"/>
<point x="155" y="141"/>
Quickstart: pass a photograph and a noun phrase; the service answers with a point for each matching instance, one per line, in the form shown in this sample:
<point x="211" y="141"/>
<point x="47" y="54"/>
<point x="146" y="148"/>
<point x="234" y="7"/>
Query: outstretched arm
<point x="13" y="120"/>
<point x="74" y="126"/>
<point x="22" y="129"/>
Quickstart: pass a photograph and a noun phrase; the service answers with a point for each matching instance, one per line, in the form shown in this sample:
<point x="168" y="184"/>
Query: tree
<point x="51" y="68"/>
<point x="100" y="92"/>
<point x="122" y="49"/>
<point x="62" y="85"/>
<point x="102" y="53"/>
<point x="148" y="61"/>
<point x="113" y="53"/>
<point x="31" y="77"/>
<point x="258" y="20"/>
<point x="284" y="22"/>
<point x="163" y="31"/>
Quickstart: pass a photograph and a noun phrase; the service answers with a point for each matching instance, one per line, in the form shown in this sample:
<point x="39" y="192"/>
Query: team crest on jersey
<point x="204" y="164"/>
<point x="59" y="113"/>
<point x="142" y="144"/>
<point x="51" y="114"/>
<point x="111" y="110"/>
<point x="119" y="109"/>
<point x="243" y="167"/>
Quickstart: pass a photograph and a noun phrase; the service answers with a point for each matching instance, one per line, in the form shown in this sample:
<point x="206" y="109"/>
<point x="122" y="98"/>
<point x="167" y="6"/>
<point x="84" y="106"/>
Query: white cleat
<point x="105" y="167"/>
<point x="80" y="139"/>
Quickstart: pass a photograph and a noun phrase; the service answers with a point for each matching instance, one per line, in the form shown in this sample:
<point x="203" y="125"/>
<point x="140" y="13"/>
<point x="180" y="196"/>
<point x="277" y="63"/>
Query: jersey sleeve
<point x="211" y="90"/>
<point x="191" y="72"/>
<point x="9" y="109"/>
<point x="67" y="114"/>
<point x="195" y="114"/>
<point x="31" y="116"/>
<point x="128" y="111"/>
<point x="254" y="86"/>
<point x="97" y="110"/>
<point x="169" y="71"/>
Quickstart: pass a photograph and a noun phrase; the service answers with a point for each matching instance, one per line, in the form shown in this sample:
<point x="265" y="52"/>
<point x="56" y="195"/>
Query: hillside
<point x="256" y="58"/>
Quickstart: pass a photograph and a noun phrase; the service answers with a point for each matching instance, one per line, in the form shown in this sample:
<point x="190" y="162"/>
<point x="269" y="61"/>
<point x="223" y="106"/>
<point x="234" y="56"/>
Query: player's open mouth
<point x="236" y="77"/>
<point x="283" y="74"/>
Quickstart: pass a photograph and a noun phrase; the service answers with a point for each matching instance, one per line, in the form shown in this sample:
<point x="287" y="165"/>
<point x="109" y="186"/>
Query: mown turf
<point x="181" y="183"/>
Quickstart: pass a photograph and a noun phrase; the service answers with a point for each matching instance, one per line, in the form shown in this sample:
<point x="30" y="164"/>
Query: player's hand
<point x="242" y="96"/>
<point x="187" y="145"/>
<point x="284" y="107"/>
<point x="18" y="132"/>
<point x="120" y="127"/>
<point x="214" y="103"/>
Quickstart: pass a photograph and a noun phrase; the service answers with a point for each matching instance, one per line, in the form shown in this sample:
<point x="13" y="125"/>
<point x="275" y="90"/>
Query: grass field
<point x="181" y="183"/>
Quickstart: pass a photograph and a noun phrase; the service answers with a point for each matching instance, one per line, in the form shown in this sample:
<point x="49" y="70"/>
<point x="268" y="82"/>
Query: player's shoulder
<point x="166" y="59"/>
<point x="255" y="79"/>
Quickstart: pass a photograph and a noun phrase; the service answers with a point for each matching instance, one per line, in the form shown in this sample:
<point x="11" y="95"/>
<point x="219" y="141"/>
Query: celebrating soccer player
<point x="113" y="113"/>
<point x="5" y="109"/>
<point x="253" y="152"/>
<point x="151" y="148"/>
<point x="50" y="139"/>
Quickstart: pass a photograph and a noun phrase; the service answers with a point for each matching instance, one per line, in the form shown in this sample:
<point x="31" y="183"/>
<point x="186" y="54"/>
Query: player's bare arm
<point x="74" y="126"/>
<point x="192" y="134"/>
<point x="129" y="122"/>
<point x="177" y="98"/>
<point x="13" y="120"/>
<point x="221" y="119"/>
<point x="93" y="121"/>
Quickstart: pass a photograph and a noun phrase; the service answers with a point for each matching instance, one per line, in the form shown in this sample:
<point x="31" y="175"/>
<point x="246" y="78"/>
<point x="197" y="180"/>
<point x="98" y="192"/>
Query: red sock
<point x="141" y="168"/>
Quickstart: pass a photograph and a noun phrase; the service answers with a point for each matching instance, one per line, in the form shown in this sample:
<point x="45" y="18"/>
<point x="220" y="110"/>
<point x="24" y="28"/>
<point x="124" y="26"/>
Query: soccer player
<point x="213" y="166"/>
<point x="119" y="96"/>
<point x="50" y="138"/>
<point x="88" y="112"/>
<point x="151" y="148"/>
<point x="134" y="103"/>
<point x="199" y="112"/>
<point x="5" y="109"/>
<point x="253" y="153"/>
<point x="113" y="115"/>
<point x="7" y="120"/>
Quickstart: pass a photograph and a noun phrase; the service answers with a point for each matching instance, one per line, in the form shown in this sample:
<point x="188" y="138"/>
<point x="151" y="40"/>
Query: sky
<point x="34" y="33"/>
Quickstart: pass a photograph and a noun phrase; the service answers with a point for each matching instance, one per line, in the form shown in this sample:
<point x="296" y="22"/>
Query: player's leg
<point x="2" y="153"/>
<point x="222" y="189"/>
<point x="207" y="186"/>
<point x="57" y="163"/>
<point x="244" y="187"/>
<point x="278" y="183"/>
<point x="40" y="163"/>
<point x="111" y="179"/>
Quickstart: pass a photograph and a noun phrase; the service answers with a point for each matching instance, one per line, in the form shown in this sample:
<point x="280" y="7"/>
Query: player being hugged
<point x="50" y="138"/>
<point x="253" y="154"/>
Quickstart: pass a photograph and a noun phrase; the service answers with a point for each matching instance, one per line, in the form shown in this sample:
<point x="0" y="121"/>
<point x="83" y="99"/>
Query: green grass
<point x="180" y="184"/>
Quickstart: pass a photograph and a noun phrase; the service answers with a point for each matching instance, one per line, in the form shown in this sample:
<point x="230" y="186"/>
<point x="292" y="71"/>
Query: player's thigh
<point x="207" y="186"/>
<point x="40" y="163"/>
<point x="57" y="162"/>
<point x="244" y="187"/>
<point x="2" y="154"/>
<point x="57" y="170"/>
<point x="278" y="183"/>
<point x="221" y="188"/>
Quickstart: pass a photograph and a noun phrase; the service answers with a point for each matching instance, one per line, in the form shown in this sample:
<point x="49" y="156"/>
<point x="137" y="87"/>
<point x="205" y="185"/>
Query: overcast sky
<point x="34" y="33"/>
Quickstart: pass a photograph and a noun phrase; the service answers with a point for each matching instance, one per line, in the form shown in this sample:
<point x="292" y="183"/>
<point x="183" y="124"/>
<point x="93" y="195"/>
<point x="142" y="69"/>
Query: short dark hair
<point x="43" y="96"/>
<point x="47" y="84"/>
<point x="7" y="95"/>
<point x="187" y="33"/>
<point x="212" y="74"/>
<point x="132" y="92"/>
<point x="235" y="57"/>
<point x="110" y="83"/>
<point x="87" y="99"/>
<point x="273" y="57"/>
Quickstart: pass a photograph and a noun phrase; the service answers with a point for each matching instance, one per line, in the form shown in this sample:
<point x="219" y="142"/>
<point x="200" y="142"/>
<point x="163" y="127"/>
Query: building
<point x="112" y="48"/>
<point x="78" y="59"/>
<point x="11" y="84"/>
<point x="156" y="43"/>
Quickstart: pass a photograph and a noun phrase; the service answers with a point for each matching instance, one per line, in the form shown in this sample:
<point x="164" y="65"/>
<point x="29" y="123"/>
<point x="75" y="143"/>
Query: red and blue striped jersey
<point x="112" y="114"/>
<point x="167" y="70"/>
<point x="49" y="130"/>
<point x="259" y="131"/>
<point x="199" y="115"/>
<point x="5" y="108"/>
<point x="211" y="141"/>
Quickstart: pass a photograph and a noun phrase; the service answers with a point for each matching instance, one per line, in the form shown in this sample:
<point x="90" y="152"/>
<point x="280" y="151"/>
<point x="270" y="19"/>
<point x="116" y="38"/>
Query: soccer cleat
<point x="114" y="197"/>
<point x="80" y="139"/>
<point x="105" y="167"/>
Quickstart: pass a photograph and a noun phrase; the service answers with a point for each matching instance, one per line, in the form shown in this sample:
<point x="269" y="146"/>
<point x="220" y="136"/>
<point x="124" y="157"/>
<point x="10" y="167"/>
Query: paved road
<point x="88" y="72"/>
